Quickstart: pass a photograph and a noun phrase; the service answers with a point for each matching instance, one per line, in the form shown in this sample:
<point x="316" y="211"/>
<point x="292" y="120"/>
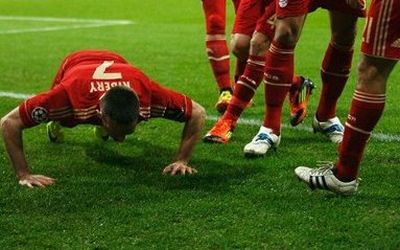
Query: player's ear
<point x="99" y="114"/>
<point x="104" y="118"/>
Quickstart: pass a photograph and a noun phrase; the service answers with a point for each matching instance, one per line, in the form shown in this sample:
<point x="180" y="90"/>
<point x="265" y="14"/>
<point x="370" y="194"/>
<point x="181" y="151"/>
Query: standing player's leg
<point x="302" y="87"/>
<point x="247" y="84"/>
<point x="335" y="71"/>
<point x="365" y="111"/>
<point x="249" y="11"/>
<point x="244" y="91"/>
<point x="240" y="45"/>
<point x="380" y="54"/>
<point x="278" y="74"/>
<point x="217" y="48"/>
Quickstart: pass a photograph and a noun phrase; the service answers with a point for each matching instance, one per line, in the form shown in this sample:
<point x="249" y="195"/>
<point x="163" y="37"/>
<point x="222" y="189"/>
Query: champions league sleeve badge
<point x="39" y="114"/>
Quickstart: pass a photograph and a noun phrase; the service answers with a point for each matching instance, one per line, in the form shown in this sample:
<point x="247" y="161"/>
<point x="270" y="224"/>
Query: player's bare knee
<point x="344" y="39"/>
<point x="366" y="73"/>
<point x="287" y="33"/>
<point x="240" y="47"/>
<point x="343" y="28"/>
<point x="287" y="37"/>
<point x="257" y="46"/>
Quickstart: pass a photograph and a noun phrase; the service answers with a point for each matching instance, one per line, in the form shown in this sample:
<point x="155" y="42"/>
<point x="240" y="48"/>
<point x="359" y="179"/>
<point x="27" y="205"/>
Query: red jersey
<point x="78" y="87"/>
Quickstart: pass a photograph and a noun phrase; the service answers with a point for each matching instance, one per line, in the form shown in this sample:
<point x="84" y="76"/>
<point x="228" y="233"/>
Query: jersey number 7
<point x="100" y="74"/>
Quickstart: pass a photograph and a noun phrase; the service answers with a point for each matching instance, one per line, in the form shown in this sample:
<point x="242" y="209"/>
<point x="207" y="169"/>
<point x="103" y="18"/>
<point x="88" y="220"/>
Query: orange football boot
<point x="298" y="100"/>
<point x="221" y="132"/>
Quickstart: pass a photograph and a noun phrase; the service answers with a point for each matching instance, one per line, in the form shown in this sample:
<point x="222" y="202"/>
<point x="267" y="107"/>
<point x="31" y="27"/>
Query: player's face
<point x="118" y="131"/>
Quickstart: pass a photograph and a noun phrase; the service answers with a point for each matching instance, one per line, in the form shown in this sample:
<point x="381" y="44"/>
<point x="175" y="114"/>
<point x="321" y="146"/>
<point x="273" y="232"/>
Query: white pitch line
<point x="14" y="95"/>
<point x="83" y="23"/>
<point x="60" y="19"/>
<point x="55" y="28"/>
<point x="252" y="122"/>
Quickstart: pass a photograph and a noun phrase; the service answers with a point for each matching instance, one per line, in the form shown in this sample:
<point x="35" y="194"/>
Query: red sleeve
<point x="51" y="105"/>
<point x="169" y="104"/>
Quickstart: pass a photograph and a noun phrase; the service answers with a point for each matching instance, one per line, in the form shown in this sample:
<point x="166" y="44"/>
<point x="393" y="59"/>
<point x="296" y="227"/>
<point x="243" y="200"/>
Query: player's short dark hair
<point x="121" y="104"/>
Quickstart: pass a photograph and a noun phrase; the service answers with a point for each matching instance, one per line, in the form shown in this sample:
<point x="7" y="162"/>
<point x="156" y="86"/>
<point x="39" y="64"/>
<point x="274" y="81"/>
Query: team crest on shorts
<point x="39" y="114"/>
<point x="283" y="3"/>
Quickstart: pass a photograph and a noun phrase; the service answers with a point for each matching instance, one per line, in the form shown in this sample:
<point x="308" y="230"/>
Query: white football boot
<point x="263" y="141"/>
<point x="332" y="128"/>
<point x="323" y="178"/>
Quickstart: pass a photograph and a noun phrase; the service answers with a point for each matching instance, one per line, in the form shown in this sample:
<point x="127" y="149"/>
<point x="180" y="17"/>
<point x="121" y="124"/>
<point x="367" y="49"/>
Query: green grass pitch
<point x="113" y="196"/>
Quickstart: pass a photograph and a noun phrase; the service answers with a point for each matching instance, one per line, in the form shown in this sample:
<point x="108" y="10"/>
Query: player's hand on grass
<point x="179" y="167"/>
<point x="36" y="181"/>
<point x="357" y="4"/>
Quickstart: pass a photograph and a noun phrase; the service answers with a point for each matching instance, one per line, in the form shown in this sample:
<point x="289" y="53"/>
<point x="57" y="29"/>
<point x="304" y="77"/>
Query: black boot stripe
<point x="319" y="182"/>
<point x="324" y="182"/>
<point x="311" y="182"/>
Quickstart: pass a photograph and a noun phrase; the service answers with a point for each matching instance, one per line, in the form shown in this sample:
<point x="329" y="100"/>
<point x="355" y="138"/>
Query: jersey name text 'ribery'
<point x="102" y="86"/>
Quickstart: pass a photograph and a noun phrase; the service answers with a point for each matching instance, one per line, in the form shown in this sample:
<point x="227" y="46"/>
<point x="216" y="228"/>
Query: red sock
<point x="240" y="67"/>
<point x="295" y="83"/>
<point x="218" y="54"/>
<point x="245" y="87"/>
<point x="335" y="71"/>
<point x="365" y="111"/>
<point x="278" y="79"/>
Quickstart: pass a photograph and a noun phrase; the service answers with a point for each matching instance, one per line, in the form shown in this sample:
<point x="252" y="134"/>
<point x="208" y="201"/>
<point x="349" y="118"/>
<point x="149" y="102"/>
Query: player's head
<point x="119" y="109"/>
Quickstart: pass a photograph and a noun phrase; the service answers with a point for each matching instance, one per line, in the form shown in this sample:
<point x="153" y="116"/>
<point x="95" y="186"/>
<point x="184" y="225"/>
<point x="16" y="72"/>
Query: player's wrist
<point x="182" y="161"/>
<point x="21" y="175"/>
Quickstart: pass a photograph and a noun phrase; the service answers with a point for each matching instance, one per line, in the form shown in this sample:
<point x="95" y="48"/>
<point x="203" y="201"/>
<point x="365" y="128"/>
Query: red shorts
<point x="290" y="8"/>
<point x="266" y="26"/>
<point x="248" y="13"/>
<point x="381" y="36"/>
<point x="335" y="5"/>
<point x="280" y="9"/>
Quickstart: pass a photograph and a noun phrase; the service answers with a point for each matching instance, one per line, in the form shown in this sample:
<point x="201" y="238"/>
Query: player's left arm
<point x="190" y="135"/>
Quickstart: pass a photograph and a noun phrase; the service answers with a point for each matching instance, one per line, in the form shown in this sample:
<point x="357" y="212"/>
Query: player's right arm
<point x="30" y="113"/>
<point x="11" y="129"/>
